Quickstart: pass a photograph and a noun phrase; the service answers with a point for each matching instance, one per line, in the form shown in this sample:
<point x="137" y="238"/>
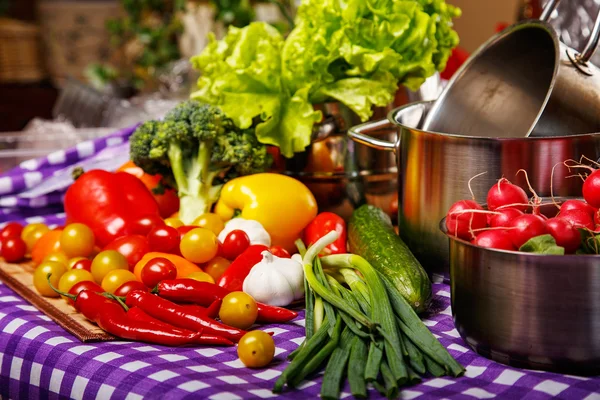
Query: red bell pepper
<point x="233" y="278"/>
<point x="324" y="223"/>
<point x="108" y="203"/>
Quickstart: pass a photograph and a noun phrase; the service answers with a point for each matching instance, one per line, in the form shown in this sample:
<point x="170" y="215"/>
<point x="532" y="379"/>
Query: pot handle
<point x="356" y="134"/>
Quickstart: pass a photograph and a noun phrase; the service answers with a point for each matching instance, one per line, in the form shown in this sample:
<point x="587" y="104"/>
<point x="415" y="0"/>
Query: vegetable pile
<point x="354" y="314"/>
<point x="513" y="222"/>
<point x="352" y="51"/>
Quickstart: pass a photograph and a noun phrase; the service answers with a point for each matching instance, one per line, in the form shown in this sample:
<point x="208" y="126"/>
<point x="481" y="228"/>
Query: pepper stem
<point x="118" y="299"/>
<point x="77" y="172"/>
<point x="67" y="295"/>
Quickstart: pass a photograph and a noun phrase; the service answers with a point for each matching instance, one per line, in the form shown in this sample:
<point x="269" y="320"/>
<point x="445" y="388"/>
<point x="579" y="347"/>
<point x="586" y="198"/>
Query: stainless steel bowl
<point x="527" y="310"/>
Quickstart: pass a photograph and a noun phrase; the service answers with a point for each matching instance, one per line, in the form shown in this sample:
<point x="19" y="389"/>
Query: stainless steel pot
<point x="527" y="310"/>
<point x="434" y="170"/>
<point x="522" y="82"/>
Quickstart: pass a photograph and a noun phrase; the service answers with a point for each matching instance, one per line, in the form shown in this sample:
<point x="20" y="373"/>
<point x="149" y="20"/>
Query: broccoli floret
<point x="196" y="148"/>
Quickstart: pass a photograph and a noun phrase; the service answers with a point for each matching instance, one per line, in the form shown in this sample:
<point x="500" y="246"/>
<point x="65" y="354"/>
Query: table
<point x="38" y="359"/>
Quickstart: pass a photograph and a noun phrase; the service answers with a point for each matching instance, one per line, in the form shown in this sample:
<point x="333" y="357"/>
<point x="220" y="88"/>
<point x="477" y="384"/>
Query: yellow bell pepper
<point x="283" y="205"/>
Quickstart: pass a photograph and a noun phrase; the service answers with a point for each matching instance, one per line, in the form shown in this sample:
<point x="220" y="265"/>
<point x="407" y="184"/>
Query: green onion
<point x="350" y="323"/>
<point x="391" y="387"/>
<point x="334" y="372"/>
<point x="413" y="377"/>
<point x="374" y="361"/>
<point x="319" y="314"/>
<point x="329" y="311"/>
<point x="356" y="368"/>
<point x="415" y="356"/>
<point x="434" y="368"/>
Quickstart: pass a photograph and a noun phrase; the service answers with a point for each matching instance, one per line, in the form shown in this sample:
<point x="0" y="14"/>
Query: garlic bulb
<point x="275" y="281"/>
<point x="254" y="229"/>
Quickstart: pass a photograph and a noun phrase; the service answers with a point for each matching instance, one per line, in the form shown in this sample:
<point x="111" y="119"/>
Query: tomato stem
<point x="67" y="295"/>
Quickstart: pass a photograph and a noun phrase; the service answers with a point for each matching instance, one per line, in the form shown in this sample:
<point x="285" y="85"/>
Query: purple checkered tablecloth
<point x="38" y="359"/>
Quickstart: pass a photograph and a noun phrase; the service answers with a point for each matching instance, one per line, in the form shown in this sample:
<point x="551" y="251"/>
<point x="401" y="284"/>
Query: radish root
<point x="469" y="184"/>
<point x="536" y="199"/>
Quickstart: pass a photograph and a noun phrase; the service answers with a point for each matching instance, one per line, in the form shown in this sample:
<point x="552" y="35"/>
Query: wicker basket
<point x="20" y="55"/>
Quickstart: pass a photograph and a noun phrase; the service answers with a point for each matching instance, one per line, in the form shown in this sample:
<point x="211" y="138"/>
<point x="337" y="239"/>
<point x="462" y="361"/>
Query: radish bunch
<point x="511" y="219"/>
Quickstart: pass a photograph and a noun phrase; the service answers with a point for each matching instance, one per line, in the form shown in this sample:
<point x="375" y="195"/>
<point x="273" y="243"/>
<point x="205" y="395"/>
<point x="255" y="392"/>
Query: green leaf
<point x="590" y="243"/>
<point x="543" y="244"/>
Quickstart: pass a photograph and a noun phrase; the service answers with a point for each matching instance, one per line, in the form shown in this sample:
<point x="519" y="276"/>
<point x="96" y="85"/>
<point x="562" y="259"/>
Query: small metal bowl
<point x="527" y="310"/>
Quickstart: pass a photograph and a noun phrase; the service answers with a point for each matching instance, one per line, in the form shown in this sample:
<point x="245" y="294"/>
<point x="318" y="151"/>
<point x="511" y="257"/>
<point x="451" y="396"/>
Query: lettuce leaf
<point x="352" y="51"/>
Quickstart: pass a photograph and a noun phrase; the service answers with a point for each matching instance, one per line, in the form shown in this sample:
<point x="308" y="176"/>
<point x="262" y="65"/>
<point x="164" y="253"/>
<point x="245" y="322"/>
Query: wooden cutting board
<point x="19" y="277"/>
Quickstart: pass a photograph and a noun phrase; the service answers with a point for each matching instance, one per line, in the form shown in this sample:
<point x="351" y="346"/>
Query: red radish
<point x="499" y="240"/>
<point x="505" y="216"/>
<point x="526" y="227"/>
<point x="597" y="217"/>
<point x="505" y="193"/>
<point x="591" y="189"/>
<point x="579" y="219"/>
<point x="565" y="234"/>
<point x="461" y="223"/>
<point x="577" y="205"/>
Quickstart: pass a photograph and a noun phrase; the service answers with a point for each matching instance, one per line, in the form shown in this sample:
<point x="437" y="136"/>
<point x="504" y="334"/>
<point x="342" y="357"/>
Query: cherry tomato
<point x="58" y="257"/>
<point x="116" y="278"/>
<point x="256" y="349"/>
<point x="84" y="264"/>
<point x="32" y="233"/>
<point x="40" y="277"/>
<point x="164" y="239"/>
<point x="234" y="244"/>
<point x="210" y="221"/>
<point x="185" y="229"/>
<point x="11" y="230"/>
<point x="133" y="247"/>
<point x="238" y="310"/>
<point x="73" y="277"/>
<point x="173" y="222"/>
<point x="201" y="276"/>
<point x="77" y="240"/>
<point x="156" y="270"/>
<point x="216" y="267"/>
<point x="199" y="245"/>
<point x="279" y="252"/>
<point x="84" y="285"/>
<point x="49" y="243"/>
<point x="128" y="287"/>
<point x="143" y="225"/>
<point x="13" y="249"/>
<point x="72" y="261"/>
<point x="107" y="261"/>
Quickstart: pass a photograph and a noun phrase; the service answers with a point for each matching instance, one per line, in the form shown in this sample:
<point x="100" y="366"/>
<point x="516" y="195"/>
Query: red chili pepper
<point x="324" y="223"/>
<point x="108" y="203"/>
<point x="137" y="314"/>
<point x="205" y="293"/>
<point x="177" y="315"/>
<point x="111" y="317"/>
<point x="234" y="275"/>
<point x="211" y="312"/>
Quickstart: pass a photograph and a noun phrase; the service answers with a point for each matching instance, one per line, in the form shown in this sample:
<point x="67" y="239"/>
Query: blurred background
<point x="72" y="70"/>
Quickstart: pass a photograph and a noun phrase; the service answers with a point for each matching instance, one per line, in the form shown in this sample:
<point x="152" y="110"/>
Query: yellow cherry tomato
<point x="32" y="233"/>
<point x="199" y="245"/>
<point x="211" y="222"/>
<point x="58" y="257"/>
<point x="216" y="267"/>
<point x="173" y="222"/>
<point x="74" y="260"/>
<point x="77" y="240"/>
<point x="256" y="349"/>
<point x="201" y="277"/>
<point x="114" y="279"/>
<point x="238" y="310"/>
<point x="73" y="277"/>
<point x="107" y="261"/>
<point x="40" y="277"/>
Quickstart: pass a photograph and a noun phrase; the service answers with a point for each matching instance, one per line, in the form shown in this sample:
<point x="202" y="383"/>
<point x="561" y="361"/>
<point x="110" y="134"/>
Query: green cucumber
<point x="371" y="235"/>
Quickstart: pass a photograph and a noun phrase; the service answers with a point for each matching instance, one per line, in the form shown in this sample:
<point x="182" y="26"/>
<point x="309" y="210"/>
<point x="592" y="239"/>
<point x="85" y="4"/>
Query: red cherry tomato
<point x="13" y="249"/>
<point x="279" y="252"/>
<point x="84" y="285"/>
<point x="156" y="270"/>
<point x="11" y="230"/>
<point x="143" y="225"/>
<point x="133" y="247"/>
<point x="83" y="264"/>
<point x="185" y="229"/>
<point x="164" y="239"/>
<point x="128" y="287"/>
<point x="234" y="244"/>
